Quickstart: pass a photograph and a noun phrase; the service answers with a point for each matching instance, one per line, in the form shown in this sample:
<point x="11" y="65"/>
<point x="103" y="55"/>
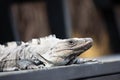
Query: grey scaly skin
<point x="42" y="52"/>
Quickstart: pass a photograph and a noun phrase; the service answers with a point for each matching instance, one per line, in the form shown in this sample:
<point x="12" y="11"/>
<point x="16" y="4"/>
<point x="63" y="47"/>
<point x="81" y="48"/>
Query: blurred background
<point x="99" y="19"/>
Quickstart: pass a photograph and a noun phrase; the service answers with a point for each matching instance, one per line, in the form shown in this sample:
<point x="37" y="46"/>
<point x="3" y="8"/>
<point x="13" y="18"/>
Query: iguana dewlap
<point x="42" y="52"/>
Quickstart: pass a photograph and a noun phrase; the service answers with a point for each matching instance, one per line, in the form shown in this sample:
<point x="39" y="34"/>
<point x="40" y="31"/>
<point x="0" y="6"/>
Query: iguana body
<point x="42" y="52"/>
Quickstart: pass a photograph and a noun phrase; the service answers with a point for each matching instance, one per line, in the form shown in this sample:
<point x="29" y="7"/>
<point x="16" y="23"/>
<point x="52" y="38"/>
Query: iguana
<point x="42" y="52"/>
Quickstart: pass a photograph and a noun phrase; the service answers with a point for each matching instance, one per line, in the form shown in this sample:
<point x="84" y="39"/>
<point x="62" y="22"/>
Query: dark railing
<point x="107" y="69"/>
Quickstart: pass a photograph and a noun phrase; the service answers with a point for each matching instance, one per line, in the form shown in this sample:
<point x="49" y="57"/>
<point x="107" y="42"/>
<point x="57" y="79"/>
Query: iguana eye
<point x="71" y="42"/>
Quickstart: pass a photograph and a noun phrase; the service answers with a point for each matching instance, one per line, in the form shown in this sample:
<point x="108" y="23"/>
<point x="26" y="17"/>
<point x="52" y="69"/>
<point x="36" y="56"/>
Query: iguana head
<point x="65" y="50"/>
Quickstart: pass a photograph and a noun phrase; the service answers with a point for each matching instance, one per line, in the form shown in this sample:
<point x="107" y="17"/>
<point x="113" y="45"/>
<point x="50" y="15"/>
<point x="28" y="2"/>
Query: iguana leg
<point x="10" y="69"/>
<point x="28" y="64"/>
<point x="85" y="60"/>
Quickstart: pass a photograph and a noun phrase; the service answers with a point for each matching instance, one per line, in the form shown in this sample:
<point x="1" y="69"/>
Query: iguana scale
<point x="42" y="52"/>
